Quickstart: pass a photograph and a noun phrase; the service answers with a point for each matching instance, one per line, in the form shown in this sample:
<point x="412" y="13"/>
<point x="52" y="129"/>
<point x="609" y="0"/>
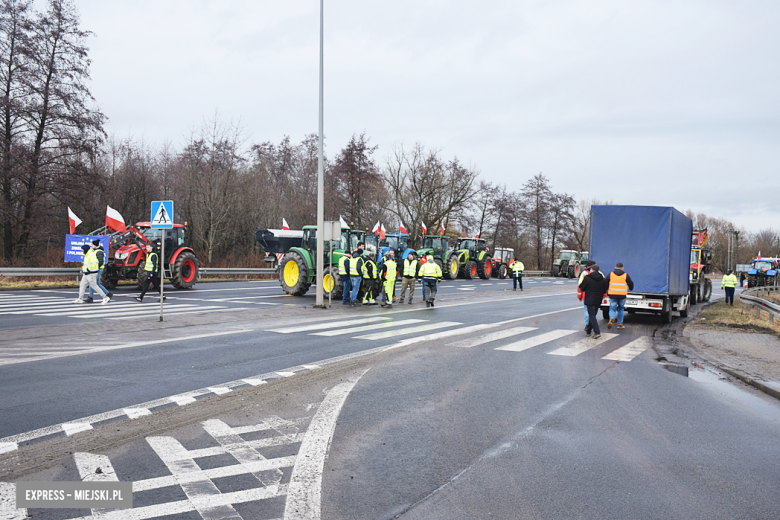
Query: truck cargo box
<point x="279" y="240"/>
<point x="652" y="242"/>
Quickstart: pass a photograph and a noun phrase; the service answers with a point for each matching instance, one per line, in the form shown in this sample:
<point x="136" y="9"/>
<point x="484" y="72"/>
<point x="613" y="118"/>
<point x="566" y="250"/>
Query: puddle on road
<point x="730" y="389"/>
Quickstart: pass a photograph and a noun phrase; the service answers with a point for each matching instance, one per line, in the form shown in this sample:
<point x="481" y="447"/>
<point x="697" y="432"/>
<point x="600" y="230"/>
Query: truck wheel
<point x="666" y="316"/>
<point x="294" y="274"/>
<point x="707" y="290"/>
<point x="684" y="312"/>
<point x="185" y="271"/>
<point x="470" y="270"/>
<point x="502" y="271"/>
<point x="484" y="269"/>
<point x="107" y="282"/>
<point x="450" y="270"/>
<point x="331" y="284"/>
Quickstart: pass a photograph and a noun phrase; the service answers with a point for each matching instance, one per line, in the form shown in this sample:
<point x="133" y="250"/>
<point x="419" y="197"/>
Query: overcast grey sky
<point x="650" y="102"/>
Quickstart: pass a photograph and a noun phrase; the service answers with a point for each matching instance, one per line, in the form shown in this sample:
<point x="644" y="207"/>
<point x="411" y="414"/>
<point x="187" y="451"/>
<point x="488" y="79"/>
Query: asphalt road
<point x="490" y="405"/>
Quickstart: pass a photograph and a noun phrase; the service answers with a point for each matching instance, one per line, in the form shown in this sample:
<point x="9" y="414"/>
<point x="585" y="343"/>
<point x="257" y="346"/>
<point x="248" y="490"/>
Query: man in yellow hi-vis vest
<point x="729" y="284"/>
<point x="618" y="285"/>
<point x="517" y="274"/>
<point x="89" y="271"/>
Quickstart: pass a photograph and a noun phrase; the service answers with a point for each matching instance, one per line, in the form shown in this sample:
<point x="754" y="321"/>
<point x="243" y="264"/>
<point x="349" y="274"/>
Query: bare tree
<point x="561" y="217"/>
<point x="536" y="196"/>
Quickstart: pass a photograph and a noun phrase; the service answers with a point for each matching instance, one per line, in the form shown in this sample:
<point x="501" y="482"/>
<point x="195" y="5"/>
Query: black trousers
<point x="151" y="280"/>
<point x="729" y="295"/>
<point x="593" y="324"/>
<point x="517" y="280"/>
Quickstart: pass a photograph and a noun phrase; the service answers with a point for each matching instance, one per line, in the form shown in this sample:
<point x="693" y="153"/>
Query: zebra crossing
<point x="565" y="342"/>
<point x="120" y="308"/>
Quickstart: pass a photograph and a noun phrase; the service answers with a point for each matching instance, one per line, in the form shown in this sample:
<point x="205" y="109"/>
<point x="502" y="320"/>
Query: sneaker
<point x="345" y="303"/>
<point x="620" y="326"/>
<point x="138" y="299"/>
<point x="164" y="298"/>
<point x="78" y="300"/>
<point x="611" y="322"/>
<point x="427" y="304"/>
<point x="110" y="295"/>
<point x="596" y="336"/>
<point x="410" y="301"/>
<point x="431" y="303"/>
<point x="88" y="299"/>
<point x="105" y="301"/>
<point x="587" y="332"/>
<point x="514" y="289"/>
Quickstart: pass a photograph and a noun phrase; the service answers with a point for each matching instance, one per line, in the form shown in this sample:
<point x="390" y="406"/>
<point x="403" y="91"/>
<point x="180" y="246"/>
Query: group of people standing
<point x="364" y="281"/>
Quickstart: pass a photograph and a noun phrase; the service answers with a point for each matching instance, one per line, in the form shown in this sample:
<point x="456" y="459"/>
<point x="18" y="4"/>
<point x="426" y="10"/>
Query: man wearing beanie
<point x="97" y="249"/>
<point x="89" y="271"/>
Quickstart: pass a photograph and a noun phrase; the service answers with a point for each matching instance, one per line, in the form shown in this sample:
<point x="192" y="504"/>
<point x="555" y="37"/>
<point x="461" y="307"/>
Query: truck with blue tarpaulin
<point x="654" y="245"/>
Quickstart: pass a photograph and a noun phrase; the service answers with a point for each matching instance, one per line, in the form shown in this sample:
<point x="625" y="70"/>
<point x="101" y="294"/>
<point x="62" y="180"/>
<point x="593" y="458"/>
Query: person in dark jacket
<point x="618" y="286"/>
<point x="594" y="286"/>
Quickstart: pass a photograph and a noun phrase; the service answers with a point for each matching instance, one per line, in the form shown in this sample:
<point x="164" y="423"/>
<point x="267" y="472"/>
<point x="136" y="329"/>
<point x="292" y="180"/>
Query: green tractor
<point x="297" y="270"/>
<point x="439" y="247"/>
<point x="473" y="258"/>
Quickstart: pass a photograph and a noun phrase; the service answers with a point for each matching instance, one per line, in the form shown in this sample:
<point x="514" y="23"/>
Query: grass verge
<point x="721" y="316"/>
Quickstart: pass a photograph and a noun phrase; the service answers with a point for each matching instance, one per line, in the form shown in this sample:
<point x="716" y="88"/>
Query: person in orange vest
<point x="618" y="285"/>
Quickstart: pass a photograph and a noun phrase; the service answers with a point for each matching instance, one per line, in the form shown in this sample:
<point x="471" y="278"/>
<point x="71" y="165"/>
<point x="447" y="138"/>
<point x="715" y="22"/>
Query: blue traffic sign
<point x="162" y="214"/>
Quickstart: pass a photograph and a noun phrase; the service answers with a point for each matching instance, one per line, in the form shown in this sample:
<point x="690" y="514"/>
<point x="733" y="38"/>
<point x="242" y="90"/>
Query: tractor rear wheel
<point x="331" y="284"/>
<point x="556" y="270"/>
<point x="294" y="274"/>
<point x="140" y="278"/>
<point x="440" y="264"/>
<point x="107" y="282"/>
<point x="573" y="271"/>
<point x="470" y="270"/>
<point x="694" y="295"/>
<point x="751" y="281"/>
<point x="451" y="271"/>
<point x="185" y="271"/>
<point x="485" y="268"/>
<point x="502" y="271"/>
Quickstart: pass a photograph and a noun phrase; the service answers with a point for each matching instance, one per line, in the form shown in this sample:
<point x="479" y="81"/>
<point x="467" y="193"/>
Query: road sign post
<point x="162" y="218"/>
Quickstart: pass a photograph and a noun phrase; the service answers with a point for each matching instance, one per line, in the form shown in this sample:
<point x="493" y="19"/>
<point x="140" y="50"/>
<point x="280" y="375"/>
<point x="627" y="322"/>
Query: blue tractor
<point x="763" y="272"/>
<point x="397" y="242"/>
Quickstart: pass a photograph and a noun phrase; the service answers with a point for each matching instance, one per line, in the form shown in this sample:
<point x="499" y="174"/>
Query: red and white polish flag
<point x="402" y="229"/>
<point x="285" y="225"/>
<point x="376" y="228"/>
<point x="114" y="220"/>
<point x="73" y="220"/>
<point x="476" y="236"/>
<point x="382" y="232"/>
<point x="442" y="229"/>
<point x="343" y="223"/>
<point x="425" y="228"/>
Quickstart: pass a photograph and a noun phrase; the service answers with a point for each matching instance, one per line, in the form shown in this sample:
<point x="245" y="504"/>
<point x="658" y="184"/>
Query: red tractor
<point x="180" y="267"/>
<point x="503" y="258"/>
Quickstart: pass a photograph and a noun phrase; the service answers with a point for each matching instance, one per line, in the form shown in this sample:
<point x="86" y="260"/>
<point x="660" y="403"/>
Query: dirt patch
<point x="735" y="318"/>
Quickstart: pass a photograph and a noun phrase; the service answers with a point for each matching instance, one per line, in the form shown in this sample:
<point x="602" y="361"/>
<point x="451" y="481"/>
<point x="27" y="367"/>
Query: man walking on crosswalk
<point x="618" y="285"/>
<point x="89" y="271"/>
<point x="594" y="286"/>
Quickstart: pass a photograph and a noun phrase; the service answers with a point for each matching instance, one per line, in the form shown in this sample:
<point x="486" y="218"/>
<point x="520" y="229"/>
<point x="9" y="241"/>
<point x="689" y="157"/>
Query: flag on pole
<point x="425" y="228"/>
<point x="476" y="236"/>
<point x="382" y="232"/>
<point x="402" y="229"/>
<point x="114" y="220"/>
<point x="759" y="254"/>
<point x="343" y="224"/>
<point x="285" y="225"/>
<point x="73" y="220"/>
<point x="442" y="229"/>
<point x="376" y="228"/>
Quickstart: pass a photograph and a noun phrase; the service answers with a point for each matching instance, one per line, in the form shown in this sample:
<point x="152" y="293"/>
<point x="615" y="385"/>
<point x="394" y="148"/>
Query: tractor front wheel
<point x="452" y="268"/>
<point x="502" y="271"/>
<point x="331" y="283"/>
<point x="185" y="271"/>
<point x="470" y="270"/>
<point x="141" y="278"/>
<point x="294" y="274"/>
<point x="485" y="268"/>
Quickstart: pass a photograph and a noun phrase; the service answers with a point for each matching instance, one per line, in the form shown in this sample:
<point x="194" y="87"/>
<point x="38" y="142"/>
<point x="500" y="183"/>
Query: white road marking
<point x="106" y="312"/>
<point x="88" y="465"/>
<point x="631" y="350"/>
<point x="353" y="330"/>
<point x="219" y="390"/>
<point x="196" y="311"/>
<point x="66" y="308"/>
<point x="410" y="330"/>
<point x="135" y="413"/>
<point x="582" y="345"/>
<point x="502" y="283"/>
<point x="467" y="288"/>
<point x="199" y="488"/>
<point x="311" y="367"/>
<point x="6" y="447"/>
<point x="493" y="336"/>
<point x="182" y="400"/>
<point x="254" y="382"/>
<point x="8" y="510"/>
<point x="304" y="494"/>
<point x="36" y="355"/>
<point x="525" y="344"/>
<point x="75" y="427"/>
<point x="286" y="374"/>
<point x="326" y="325"/>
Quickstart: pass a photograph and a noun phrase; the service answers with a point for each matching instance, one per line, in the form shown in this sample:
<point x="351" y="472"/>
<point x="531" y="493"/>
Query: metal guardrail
<point x="751" y="301"/>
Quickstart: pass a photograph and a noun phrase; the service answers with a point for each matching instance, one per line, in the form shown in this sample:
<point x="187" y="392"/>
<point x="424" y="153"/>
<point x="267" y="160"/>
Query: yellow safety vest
<point x="410" y="268"/>
<point x="343" y="265"/>
<point x="617" y="285"/>
<point x="150" y="262"/>
<point x="430" y="270"/>
<point x="392" y="269"/>
<point x="90" y="261"/>
<point x="365" y="269"/>
<point x="729" y="280"/>
<point x="353" y="266"/>
<point x="518" y="266"/>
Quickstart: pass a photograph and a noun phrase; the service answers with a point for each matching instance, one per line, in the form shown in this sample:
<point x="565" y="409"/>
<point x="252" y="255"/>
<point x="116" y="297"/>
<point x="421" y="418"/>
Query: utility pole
<point x="319" y="257"/>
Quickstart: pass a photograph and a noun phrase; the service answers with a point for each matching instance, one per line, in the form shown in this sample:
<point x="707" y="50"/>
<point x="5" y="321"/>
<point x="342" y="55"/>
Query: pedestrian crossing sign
<point x="162" y="214"/>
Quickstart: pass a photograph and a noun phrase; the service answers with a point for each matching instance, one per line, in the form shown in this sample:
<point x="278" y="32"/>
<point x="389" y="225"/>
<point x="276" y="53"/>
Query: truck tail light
<point x="655" y="304"/>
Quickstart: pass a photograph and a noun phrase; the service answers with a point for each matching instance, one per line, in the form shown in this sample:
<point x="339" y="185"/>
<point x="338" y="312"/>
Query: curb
<point x="752" y="382"/>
